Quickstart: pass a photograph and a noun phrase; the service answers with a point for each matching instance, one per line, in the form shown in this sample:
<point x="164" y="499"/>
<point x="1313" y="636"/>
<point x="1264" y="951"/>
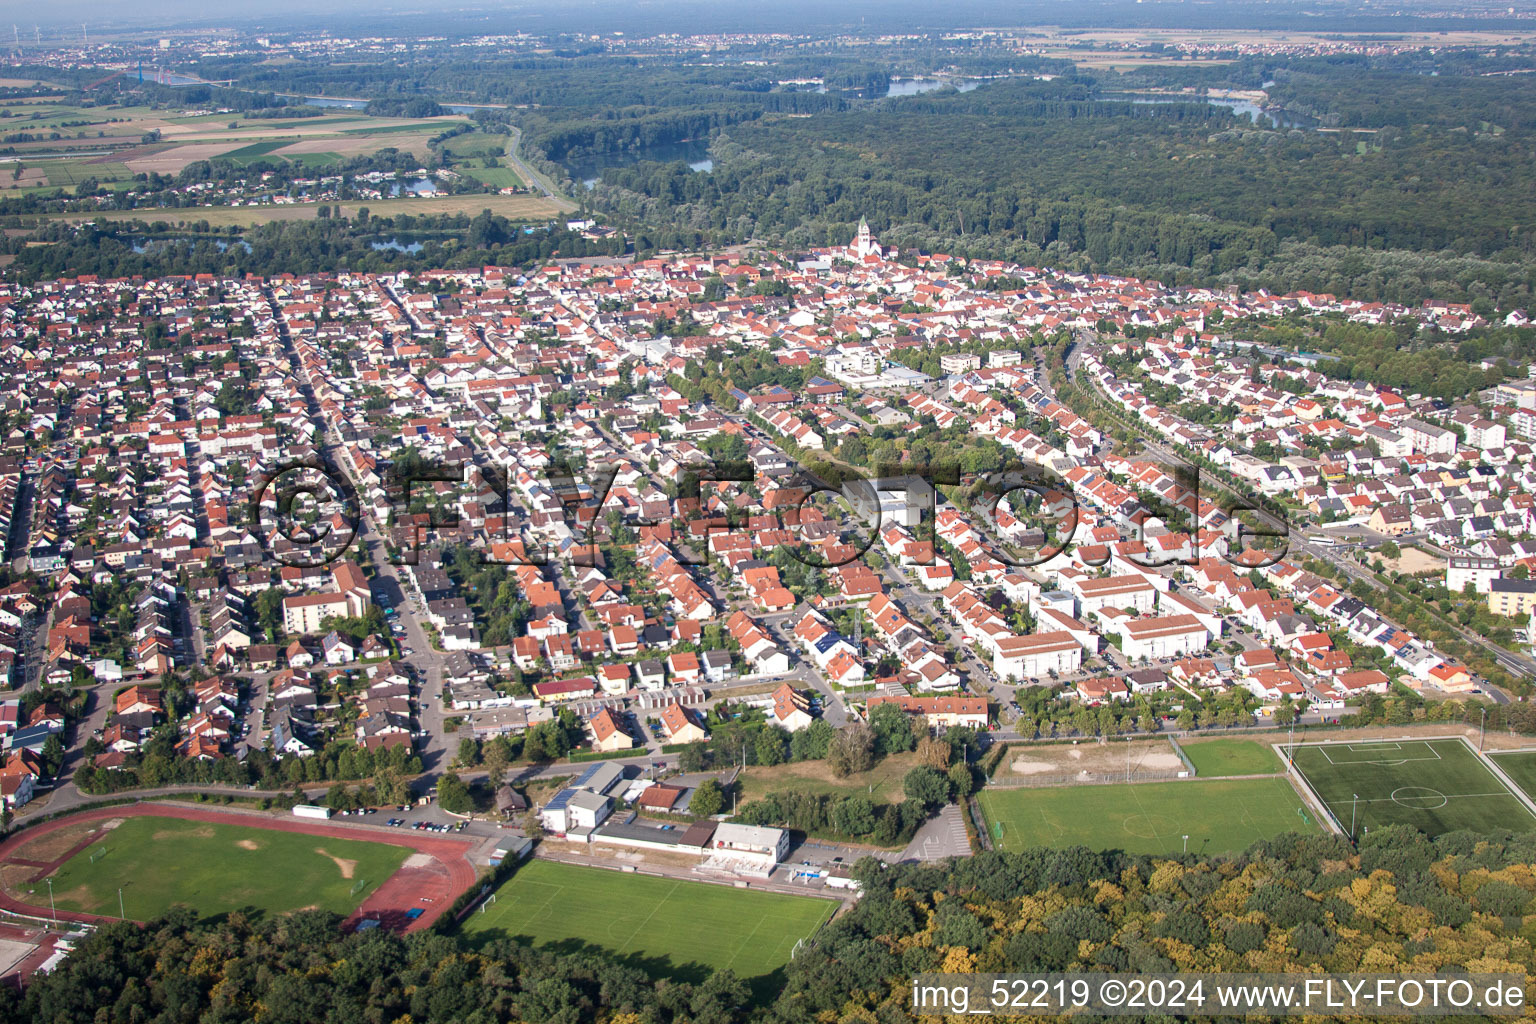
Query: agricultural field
<point x="109" y="142"/>
<point x="1218" y="757"/>
<point x="160" y="862"/>
<point x="1223" y="816"/>
<point x="673" y="928"/>
<point x="511" y="207"/>
<point x="1435" y="786"/>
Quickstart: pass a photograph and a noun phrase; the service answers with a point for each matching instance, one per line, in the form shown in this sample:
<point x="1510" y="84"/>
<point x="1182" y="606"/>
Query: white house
<point x="1163" y="637"/>
<point x="1025" y="657"/>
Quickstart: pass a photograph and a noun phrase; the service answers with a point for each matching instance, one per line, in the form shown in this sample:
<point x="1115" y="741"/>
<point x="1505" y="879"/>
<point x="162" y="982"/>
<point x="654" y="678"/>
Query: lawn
<point x="160" y="862"/>
<point x="1215" y="758"/>
<point x="1436" y="786"/>
<point x="1223" y="816"/>
<point x="665" y="926"/>
<point x="814" y="777"/>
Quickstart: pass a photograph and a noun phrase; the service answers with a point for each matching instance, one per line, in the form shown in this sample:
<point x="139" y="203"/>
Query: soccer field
<point x="1224" y="816"/>
<point x="1435" y="786"/>
<point x="1520" y="766"/>
<point x="161" y="862"/>
<point x="668" y="926"/>
<point x="1232" y="757"/>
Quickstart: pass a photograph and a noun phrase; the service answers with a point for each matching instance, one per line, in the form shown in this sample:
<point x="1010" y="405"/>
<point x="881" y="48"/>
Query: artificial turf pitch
<point x="161" y="862"/>
<point x="1220" y="816"/>
<point x="1435" y="786"/>
<point x="1215" y="758"/>
<point x="668" y="926"/>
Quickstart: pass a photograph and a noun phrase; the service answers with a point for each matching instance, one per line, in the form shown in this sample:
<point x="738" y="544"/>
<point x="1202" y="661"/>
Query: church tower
<point x="864" y="245"/>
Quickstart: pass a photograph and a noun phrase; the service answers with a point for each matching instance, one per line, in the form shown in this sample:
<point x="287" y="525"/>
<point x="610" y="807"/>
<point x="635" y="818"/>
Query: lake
<point x="695" y="154"/>
<point x="347" y="104"/>
<point x="913" y="86"/>
<point x="1281" y="118"/>
<point x="416" y="187"/>
<point x="151" y="245"/>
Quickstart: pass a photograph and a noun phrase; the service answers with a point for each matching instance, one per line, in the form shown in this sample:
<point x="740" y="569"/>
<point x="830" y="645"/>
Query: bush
<point x="925" y="787"/>
<point x="453" y="795"/>
<point x="707" y="800"/>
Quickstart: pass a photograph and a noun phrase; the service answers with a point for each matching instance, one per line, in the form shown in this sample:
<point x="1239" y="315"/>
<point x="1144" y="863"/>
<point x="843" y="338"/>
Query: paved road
<point x="532" y="176"/>
<point x="918" y="601"/>
<point x="424" y="663"/>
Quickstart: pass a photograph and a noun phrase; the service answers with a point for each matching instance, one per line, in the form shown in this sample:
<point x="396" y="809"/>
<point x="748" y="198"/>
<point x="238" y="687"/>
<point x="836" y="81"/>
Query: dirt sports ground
<point x="1053" y="764"/>
<point x="433" y="874"/>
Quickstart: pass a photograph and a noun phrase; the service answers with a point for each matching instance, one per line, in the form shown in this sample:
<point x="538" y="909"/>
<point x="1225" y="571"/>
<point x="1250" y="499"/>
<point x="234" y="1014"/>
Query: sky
<point x="360" y="17"/>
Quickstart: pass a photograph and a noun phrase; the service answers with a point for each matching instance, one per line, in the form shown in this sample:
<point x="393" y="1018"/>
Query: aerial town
<point x="686" y="521"/>
<point x="140" y="417"/>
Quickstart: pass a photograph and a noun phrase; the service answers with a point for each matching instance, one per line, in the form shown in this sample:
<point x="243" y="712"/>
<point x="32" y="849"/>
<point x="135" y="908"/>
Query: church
<point x="863" y="243"/>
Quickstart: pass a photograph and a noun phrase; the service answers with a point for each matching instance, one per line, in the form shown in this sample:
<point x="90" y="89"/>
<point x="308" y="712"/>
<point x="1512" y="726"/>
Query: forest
<point x="1177" y="191"/>
<point x="1415" y="177"/>
<point x="327" y="244"/>
<point x="1397" y="903"/>
<point x="1412" y="186"/>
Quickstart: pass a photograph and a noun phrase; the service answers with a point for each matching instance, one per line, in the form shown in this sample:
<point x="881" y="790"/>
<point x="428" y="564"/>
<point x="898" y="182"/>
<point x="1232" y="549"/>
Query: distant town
<point x="719" y="525"/>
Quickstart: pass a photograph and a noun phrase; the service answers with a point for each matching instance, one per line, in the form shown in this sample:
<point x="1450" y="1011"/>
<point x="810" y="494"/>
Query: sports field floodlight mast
<point x="1354" y="803"/>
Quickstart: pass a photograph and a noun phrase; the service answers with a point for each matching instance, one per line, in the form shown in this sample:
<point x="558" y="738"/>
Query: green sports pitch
<point x="162" y="862"/>
<point x="1435" y="786"/>
<point x="1215" y="758"/>
<point x="665" y="925"/>
<point x="1520" y="766"/>
<point x="1219" y="816"/>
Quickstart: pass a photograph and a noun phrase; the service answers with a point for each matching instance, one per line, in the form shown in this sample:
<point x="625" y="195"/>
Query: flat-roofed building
<point x="746" y="849"/>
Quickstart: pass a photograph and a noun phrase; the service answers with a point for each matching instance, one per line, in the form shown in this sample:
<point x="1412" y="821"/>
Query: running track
<point x="431" y="887"/>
